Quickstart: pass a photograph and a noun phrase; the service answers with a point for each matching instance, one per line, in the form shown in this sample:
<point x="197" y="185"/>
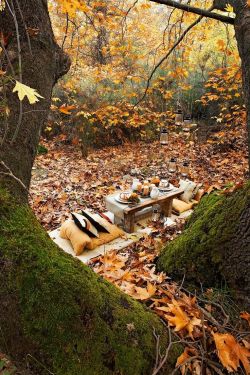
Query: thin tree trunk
<point x="242" y="32"/>
<point x="33" y="57"/>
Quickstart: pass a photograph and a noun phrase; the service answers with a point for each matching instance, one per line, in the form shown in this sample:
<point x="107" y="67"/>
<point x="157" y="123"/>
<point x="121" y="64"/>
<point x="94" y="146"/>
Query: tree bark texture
<point x="242" y="33"/>
<point x="30" y="55"/>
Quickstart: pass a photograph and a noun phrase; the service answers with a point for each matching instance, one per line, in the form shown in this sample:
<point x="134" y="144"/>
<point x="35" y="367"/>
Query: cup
<point x="164" y="184"/>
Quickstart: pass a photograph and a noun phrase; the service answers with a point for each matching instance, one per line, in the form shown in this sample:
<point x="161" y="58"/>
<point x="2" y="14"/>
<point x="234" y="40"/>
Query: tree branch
<point x="164" y="58"/>
<point x="11" y="174"/>
<point x="199" y="11"/>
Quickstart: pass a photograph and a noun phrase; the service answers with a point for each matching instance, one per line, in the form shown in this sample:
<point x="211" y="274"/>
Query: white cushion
<point x="188" y="187"/>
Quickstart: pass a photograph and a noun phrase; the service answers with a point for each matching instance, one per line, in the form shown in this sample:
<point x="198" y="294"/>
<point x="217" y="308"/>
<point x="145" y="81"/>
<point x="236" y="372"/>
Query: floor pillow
<point x="99" y="222"/>
<point x="79" y="240"/>
<point x="180" y="206"/>
<point x="114" y="232"/>
<point x="85" y="225"/>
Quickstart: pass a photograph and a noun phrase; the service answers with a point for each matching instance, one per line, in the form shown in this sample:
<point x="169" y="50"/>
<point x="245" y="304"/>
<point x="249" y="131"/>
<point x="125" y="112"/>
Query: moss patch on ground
<point x="201" y="251"/>
<point x="57" y="315"/>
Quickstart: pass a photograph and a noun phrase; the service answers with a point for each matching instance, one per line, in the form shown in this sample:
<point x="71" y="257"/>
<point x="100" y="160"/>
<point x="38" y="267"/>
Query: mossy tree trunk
<point x="56" y="315"/>
<point x="215" y="246"/>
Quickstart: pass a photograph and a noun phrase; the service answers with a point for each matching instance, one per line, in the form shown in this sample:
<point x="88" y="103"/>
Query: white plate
<point x="118" y="199"/>
<point x="123" y="201"/>
<point x="166" y="188"/>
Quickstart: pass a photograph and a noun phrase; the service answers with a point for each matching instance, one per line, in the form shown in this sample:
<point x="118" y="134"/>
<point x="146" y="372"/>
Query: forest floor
<point x="64" y="182"/>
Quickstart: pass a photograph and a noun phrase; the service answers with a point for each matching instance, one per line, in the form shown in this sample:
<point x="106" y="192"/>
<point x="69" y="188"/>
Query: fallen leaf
<point x="231" y="353"/>
<point x="245" y="315"/>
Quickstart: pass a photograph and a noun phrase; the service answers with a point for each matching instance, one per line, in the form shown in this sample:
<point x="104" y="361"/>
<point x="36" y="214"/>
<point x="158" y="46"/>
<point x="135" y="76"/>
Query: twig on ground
<point x="160" y="361"/>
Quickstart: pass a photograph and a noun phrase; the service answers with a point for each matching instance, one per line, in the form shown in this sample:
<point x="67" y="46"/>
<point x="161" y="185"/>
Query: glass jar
<point x="172" y="165"/>
<point x="187" y="123"/>
<point x="178" y="117"/>
<point x="184" y="169"/>
<point x="135" y="184"/>
<point x="145" y="190"/>
<point x="156" y="213"/>
<point x="164" y="137"/>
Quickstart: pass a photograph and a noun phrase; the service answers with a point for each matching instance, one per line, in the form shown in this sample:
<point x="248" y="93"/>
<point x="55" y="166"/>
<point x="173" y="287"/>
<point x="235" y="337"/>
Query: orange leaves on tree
<point x="72" y="6"/>
<point x="231" y="353"/>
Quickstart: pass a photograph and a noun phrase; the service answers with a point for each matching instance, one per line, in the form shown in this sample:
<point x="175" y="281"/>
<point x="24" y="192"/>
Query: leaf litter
<point x="63" y="181"/>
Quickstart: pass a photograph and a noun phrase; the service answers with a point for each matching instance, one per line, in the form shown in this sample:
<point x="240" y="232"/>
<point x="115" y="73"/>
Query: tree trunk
<point x="215" y="246"/>
<point x="242" y="33"/>
<point x="38" y="62"/>
<point x="59" y="317"/>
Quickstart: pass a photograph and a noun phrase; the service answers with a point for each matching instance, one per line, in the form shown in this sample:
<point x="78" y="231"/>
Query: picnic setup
<point x="89" y="234"/>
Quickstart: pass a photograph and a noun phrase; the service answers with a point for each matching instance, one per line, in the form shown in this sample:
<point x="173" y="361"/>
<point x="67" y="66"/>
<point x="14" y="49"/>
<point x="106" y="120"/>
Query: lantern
<point x="187" y="123"/>
<point x="172" y="165"/>
<point x="156" y="213"/>
<point x="178" y="117"/>
<point x="164" y="137"/>
<point x="184" y="169"/>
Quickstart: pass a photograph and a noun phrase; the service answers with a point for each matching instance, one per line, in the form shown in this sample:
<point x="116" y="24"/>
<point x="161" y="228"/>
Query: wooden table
<point x="165" y="200"/>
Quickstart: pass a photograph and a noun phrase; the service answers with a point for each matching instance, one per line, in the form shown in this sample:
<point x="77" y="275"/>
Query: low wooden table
<point x="129" y="214"/>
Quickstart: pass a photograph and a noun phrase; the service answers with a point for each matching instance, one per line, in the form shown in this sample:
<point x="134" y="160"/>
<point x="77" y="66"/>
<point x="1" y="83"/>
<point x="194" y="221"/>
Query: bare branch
<point x="199" y="11"/>
<point x="10" y="174"/>
<point x="164" y="58"/>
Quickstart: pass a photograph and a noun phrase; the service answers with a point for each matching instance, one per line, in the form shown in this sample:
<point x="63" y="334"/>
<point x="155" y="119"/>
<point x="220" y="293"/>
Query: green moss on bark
<point x="58" y="312"/>
<point x="204" y="250"/>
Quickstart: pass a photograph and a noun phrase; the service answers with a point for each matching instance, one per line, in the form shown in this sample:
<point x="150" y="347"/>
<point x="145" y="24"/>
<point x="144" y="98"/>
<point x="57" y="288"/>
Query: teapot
<point x="154" y="193"/>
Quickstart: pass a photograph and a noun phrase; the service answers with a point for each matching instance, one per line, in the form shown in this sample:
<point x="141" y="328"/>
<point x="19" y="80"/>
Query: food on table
<point x="155" y="180"/>
<point x="134" y="198"/>
<point x="125" y="195"/>
<point x="129" y="197"/>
